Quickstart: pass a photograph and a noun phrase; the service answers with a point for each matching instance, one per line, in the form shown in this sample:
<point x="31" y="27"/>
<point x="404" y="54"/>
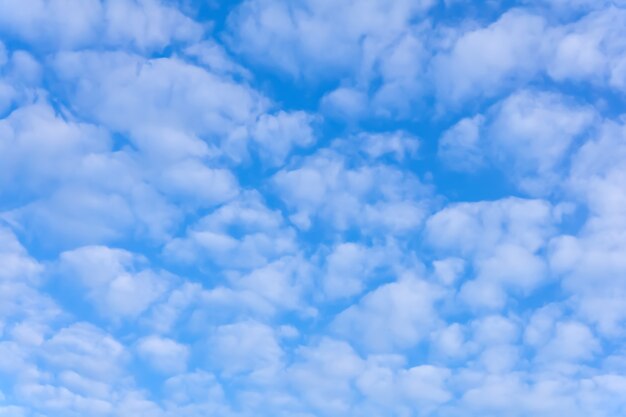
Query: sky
<point x="312" y="208"/>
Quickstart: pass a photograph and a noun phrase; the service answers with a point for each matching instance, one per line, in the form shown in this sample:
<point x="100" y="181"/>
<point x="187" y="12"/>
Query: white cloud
<point x="277" y="134"/>
<point x="425" y="385"/>
<point x="591" y="49"/>
<point x="284" y="283"/>
<point x="262" y="235"/>
<point x="323" y="376"/>
<point x="323" y="36"/>
<point x="26" y="312"/>
<point x="192" y="181"/>
<point x="87" y="350"/>
<point x="61" y="400"/>
<point x="400" y="145"/>
<point x="528" y="136"/>
<point x="164" y="355"/>
<point x="144" y="24"/>
<point x="460" y="146"/>
<point x="40" y="148"/>
<point x="592" y="262"/>
<point x="450" y="342"/>
<point x="351" y="267"/>
<point x="448" y="270"/>
<point x="216" y="59"/>
<point x="540" y="326"/>
<point x="143" y="97"/>
<point x="246" y="347"/>
<point x="388" y="386"/>
<point x="193" y="388"/>
<point x="394" y="316"/>
<point x="370" y="196"/>
<point x="572" y="341"/>
<point x="17" y="265"/>
<point x="572" y="6"/>
<point x="495" y="329"/>
<point x="531" y="134"/>
<point x="344" y="102"/>
<point x="114" y="280"/>
<point x="524" y="223"/>
<point x="73" y="185"/>
<point x="148" y="24"/>
<point x="502" y="238"/>
<point x="124" y="125"/>
<point x="12" y="411"/>
<point x="168" y="312"/>
<point x="484" y="61"/>
<point x="402" y="68"/>
<point x="85" y="386"/>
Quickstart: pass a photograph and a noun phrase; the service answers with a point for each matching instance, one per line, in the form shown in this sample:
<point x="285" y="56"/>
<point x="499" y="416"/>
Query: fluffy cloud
<point x="312" y="208"/>
<point x="41" y="149"/>
<point x="63" y="171"/>
<point x="210" y="110"/>
<point x="114" y="280"/>
<point x="396" y="315"/>
<point x="591" y="49"/>
<point x="26" y="313"/>
<point x="322" y="35"/>
<point x="277" y="134"/>
<point x="261" y="235"/>
<point x="528" y="135"/>
<point x="592" y="262"/>
<point x="85" y="349"/>
<point x="483" y="61"/>
<point x="245" y="347"/>
<point x="147" y="24"/>
<point x="350" y="266"/>
<point x="164" y="355"/>
<point x="511" y="231"/>
<point x="325" y="187"/>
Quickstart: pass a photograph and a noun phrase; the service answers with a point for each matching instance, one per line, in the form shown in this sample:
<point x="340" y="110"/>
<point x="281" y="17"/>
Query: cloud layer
<point x="312" y="208"/>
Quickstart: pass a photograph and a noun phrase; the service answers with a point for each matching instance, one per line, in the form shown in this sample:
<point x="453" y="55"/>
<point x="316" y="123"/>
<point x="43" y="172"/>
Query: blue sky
<point x="312" y="208"/>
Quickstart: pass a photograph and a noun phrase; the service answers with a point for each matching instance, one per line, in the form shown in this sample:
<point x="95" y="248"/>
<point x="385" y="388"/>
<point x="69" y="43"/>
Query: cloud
<point x="346" y="103"/>
<point x="146" y="24"/>
<point x="193" y="388"/>
<point x="114" y="280"/>
<point x="246" y="347"/>
<point x="323" y="375"/>
<point x="41" y="149"/>
<point x="164" y="355"/>
<point x="85" y="349"/>
<point x="590" y="49"/>
<point x="277" y="134"/>
<point x="262" y="235"/>
<point x="484" y="61"/>
<point x="460" y="146"/>
<point x="532" y="133"/>
<point x="163" y="95"/>
<point x="312" y="208"/>
<point x="511" y="231"/>
<point x="17" y="264"/>
<point x="350" y="266"/>
<point x="62" y="171"/>
<point x="324" y="36"/>
<point x="394" y="316"/>
<point x="26" y="312"/>
<point x="284" y="283"/>
<point x="325" y="187"/>
<point x="528" y="136"/>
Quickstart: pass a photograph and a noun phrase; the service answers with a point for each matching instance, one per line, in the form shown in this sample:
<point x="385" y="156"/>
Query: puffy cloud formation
<point x="312" y="208"/>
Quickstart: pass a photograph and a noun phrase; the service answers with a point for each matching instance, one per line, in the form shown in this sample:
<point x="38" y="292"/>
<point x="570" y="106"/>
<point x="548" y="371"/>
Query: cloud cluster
<point x="312" y="208"/>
